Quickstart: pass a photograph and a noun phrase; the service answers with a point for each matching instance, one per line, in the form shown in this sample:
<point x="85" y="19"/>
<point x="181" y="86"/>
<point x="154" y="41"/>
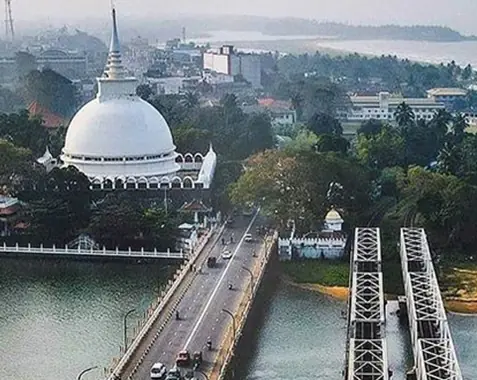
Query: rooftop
<point x="447" y="91"/>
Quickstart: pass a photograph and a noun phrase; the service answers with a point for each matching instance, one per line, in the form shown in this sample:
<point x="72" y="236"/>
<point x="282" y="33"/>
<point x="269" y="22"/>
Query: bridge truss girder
<point x="434" y="353"/>
<point x="367" y="353"/>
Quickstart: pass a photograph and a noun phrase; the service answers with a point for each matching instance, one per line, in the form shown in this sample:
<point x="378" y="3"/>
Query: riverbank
<point x="459" y="285"/>
<point x="324" y="276"/>
<point x="460" y="289"/>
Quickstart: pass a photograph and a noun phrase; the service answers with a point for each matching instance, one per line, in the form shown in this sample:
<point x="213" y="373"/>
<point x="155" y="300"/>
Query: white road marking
<point x="202" y="315"/>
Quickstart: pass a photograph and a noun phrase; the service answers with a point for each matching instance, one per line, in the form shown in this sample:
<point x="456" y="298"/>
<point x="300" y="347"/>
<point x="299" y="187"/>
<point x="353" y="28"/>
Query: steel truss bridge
<point x="433" y="349"/>
<point x="366" y="353"/>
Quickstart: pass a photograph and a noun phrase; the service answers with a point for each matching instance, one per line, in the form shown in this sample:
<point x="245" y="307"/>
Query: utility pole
<point x="9" y="30"/>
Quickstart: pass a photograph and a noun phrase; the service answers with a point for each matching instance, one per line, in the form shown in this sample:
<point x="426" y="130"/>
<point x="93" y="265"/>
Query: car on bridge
<point x="158" y="371"/>
<point x="183" y="359"/>
<point x="226" y="254"/>
<point x="197" y="359"/>
<point x="211" y="261"/>
<point x="174" y="374"/>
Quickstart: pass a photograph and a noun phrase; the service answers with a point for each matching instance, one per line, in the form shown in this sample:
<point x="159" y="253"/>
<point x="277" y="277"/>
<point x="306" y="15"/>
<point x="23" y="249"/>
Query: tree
<point x="59" y="205"/>
<point x="190" y="139"/>
<point x="332" y="143"/>
<point x="296" y="186"/>
<point x="404" y="115"/>
<point x="24" y="131"/>
<point x="370" y="127"/>
<point x="459" y="126"/>
<point x="25" y="63"/>
<point x="159" y="228"/>
<point x="190" y="100"/>
<point x="17" y="168"/>
<point x="144" y="91"/>
<point x="322" y="123"/>
<point x="51" y="90"/>
<point x="385" y="149"/>
<point x="117" y="223"/>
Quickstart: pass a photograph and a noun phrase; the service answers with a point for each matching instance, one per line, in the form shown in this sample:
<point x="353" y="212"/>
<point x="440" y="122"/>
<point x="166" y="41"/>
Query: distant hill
<point x="293" y="26"/>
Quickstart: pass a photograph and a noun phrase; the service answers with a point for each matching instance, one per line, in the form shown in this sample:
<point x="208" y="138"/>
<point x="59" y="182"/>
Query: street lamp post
<point x="125" y="325"/>
<point x="233" y="322"/>
<point x="84" y="371"/>
<point x="252" y="282"/>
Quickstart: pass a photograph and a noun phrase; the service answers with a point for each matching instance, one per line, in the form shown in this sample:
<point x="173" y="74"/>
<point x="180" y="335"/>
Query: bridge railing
<point x="91" y="252"/>
<point x="367" y="351"/>
<point x="434" y="353"/>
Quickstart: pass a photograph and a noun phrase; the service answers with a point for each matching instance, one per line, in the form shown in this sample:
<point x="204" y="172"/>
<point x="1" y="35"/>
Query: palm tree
<point x="190" y="100"/>
<point x="459" y="125"/>
<point x="404" y="115"/>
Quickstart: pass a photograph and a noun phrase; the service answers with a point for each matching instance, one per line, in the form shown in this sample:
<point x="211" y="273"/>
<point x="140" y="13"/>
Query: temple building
<point x="120" y="141"/>
<point x="329" y="243"/>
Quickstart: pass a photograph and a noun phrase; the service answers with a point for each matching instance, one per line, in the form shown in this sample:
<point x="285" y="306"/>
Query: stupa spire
<point x="114" y="68"/>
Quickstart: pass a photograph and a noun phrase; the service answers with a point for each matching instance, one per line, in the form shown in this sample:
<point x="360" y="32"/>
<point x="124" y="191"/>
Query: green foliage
<point x="298" y="186"/>
<point x="144" y="91"/>
<point x="323" y="272"/>
<point x="16" y="168"/>
<point x="381" y="150"/>
<point x="322" y="123"/>
<point x="51" y="90"/>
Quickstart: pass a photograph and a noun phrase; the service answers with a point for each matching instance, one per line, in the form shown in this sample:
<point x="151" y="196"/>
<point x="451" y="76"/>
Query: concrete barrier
<point x="131" y="351"/>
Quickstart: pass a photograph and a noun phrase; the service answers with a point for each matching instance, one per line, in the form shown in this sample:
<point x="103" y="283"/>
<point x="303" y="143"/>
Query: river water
<point x="58" y="318"/>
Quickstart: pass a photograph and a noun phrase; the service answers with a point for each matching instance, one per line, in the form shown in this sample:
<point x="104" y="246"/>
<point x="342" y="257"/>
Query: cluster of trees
<point x="367" y="74"/>
<point x="419" y="173"/>
<point x="58" y="206"/>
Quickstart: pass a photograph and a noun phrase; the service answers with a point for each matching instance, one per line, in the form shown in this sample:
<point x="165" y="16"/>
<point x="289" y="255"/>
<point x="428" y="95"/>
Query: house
<point x="448" y="96"/>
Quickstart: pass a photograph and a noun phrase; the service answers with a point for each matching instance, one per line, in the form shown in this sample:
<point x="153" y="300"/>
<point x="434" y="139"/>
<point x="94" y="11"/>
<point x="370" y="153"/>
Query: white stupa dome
<point x="117" y="128"/>
<point x="119" y="135"/>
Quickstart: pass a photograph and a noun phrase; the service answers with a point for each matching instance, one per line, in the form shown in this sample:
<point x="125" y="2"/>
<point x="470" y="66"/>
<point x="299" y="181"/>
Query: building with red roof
<point x="50" y="119"/>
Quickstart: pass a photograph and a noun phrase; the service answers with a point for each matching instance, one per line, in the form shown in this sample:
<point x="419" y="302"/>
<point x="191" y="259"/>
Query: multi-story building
<point x="448" y="96"/>
<point x="228" y="61"/>
<point x="384" y="105"/>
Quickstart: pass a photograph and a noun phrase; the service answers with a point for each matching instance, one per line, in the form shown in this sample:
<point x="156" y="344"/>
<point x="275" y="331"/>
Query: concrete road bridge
<point x="207" y="308"/>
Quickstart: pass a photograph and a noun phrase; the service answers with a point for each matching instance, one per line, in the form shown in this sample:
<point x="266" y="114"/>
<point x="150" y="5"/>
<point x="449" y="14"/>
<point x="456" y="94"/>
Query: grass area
<point x="324" y="272"/>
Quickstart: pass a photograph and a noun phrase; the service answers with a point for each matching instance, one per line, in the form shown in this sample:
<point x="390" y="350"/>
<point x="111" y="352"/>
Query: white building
<point x="329" y="243"/>
<point x="227" y="61"/>
<point x="120" y="141"/>
<point x="384" y="106"/>
<point x="446" y="95"/>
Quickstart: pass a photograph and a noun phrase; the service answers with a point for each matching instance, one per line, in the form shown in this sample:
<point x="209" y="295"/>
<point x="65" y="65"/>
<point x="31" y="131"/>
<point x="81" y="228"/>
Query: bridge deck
<point x="367" y="353"/>
<point x="200" y="304"/>
<point x="434" y="353"/>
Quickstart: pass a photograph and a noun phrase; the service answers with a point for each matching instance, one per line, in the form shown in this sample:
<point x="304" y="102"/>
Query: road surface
<point x="200" y="309"/>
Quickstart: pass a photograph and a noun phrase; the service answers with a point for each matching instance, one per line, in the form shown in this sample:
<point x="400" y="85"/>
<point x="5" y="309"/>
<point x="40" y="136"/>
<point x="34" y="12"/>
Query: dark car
<point x="183" y="359"/>
<point x="211" y="261"/>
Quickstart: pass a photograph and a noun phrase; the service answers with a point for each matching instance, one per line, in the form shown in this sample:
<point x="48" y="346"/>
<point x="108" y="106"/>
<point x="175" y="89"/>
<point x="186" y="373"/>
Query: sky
<point x="458" y="14"/>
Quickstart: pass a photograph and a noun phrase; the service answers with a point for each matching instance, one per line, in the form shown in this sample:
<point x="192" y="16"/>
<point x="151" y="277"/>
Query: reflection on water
<point x="304" y="334"/>
<point x="58" y="317"/>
